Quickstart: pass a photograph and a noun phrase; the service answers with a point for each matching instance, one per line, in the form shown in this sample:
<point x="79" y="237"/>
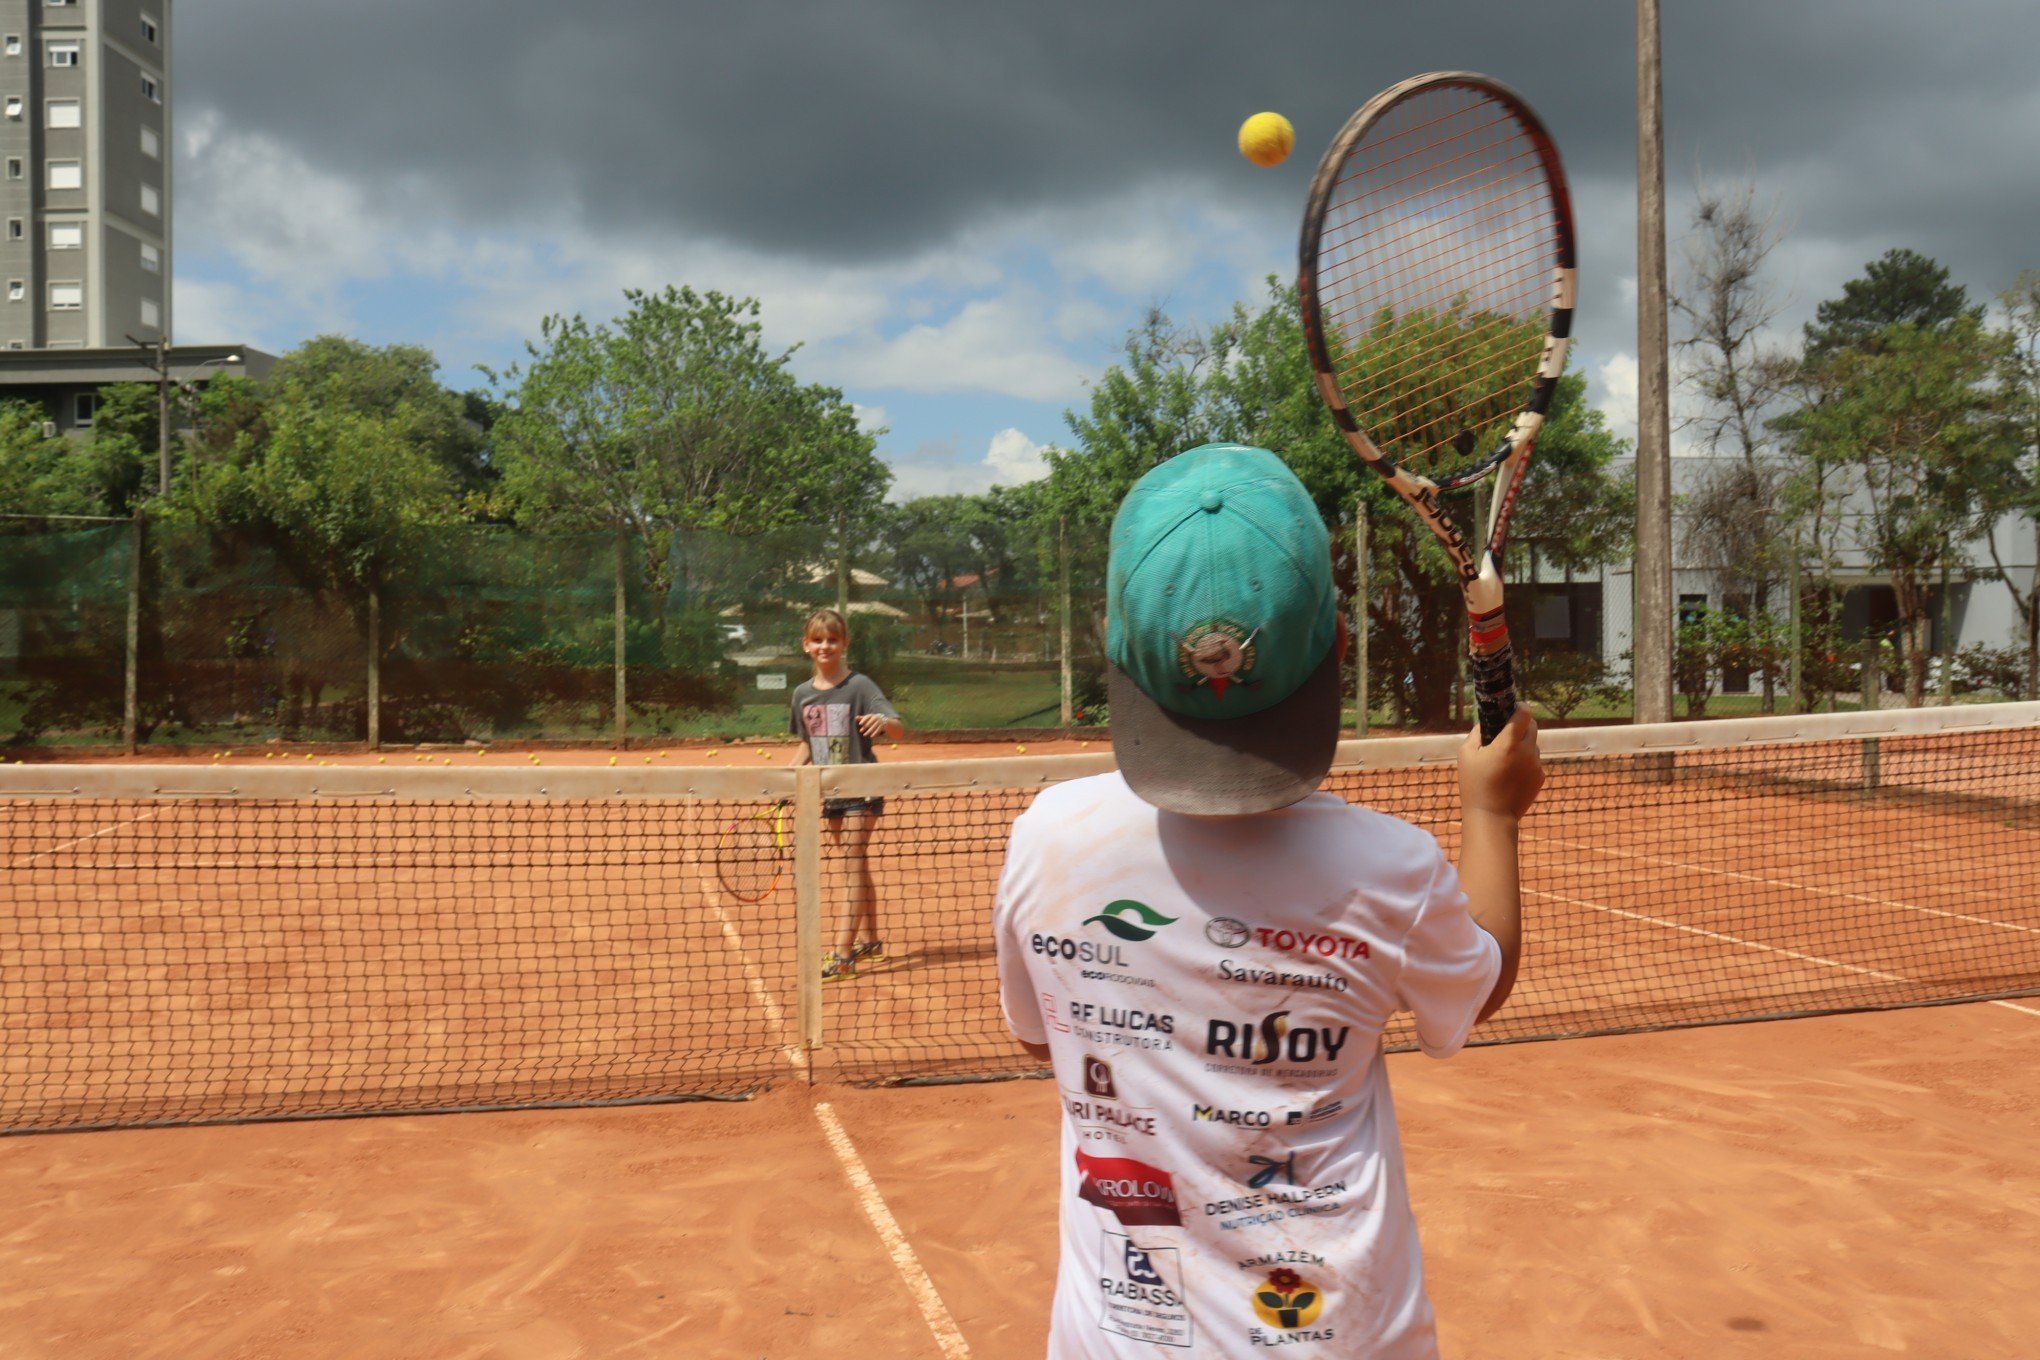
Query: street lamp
<point x="160" y="347"/>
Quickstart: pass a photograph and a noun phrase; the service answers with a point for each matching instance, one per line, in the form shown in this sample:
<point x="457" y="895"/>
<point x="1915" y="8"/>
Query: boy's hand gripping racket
<point x="1437" y="280"/>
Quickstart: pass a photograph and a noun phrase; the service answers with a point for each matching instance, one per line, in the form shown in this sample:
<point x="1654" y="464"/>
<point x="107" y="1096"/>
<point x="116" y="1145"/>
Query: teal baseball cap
<point x="1221" y="633"/>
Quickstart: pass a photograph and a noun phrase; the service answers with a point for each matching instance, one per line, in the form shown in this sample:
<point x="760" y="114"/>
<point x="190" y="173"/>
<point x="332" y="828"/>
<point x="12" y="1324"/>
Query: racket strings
<point x="1441" y="219"/>
<point x="1388" y="256"/>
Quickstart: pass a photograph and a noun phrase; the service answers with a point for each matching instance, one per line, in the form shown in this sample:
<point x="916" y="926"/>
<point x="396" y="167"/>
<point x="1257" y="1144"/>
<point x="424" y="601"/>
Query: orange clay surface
<point x="1862" y="1186"/>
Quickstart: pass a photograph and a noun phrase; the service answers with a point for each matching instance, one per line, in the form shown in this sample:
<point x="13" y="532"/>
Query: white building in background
<point x="1594" y="611"/>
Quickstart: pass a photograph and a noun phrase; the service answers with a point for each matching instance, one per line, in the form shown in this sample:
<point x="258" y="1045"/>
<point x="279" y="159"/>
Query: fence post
<point x="1795" y="665"/>
<point x="1362" y="585"/>
<point x="622" y="670"/>
<point x="374" y="666"/>
<point x="1062" y="553"/>
<point x="131" y="714"/>
<point x="1873" y="678"/>
<point x="807" y="901"/>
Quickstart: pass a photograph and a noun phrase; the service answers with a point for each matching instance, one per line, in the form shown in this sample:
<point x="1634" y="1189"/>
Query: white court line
<point x="933" y="1311"/>
<point x="1663" y="863"/>
<point x="1747" y="944"/>
<point x="103" y="831"/>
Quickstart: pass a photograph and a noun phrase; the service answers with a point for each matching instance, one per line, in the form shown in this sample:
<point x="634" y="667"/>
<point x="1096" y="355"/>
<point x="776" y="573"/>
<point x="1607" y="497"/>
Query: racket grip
<point x="1493" y="668"/>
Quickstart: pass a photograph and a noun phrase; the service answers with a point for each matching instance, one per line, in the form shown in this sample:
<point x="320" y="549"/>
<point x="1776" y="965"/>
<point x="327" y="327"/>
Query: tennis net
<point x="183" y="944"/>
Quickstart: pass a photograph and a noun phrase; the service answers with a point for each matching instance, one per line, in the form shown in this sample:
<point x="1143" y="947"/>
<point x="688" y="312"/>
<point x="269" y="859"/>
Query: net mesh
<point x="170" y="954"/>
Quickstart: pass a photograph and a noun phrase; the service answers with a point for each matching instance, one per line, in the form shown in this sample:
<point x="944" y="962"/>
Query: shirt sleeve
<point x="1017" y="997"/>
<point x="1449" y="966"/>
<point x="875" y="700"/>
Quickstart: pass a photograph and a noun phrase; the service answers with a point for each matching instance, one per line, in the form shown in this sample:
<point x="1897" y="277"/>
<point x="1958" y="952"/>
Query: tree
<point x="2018" y="494"/>
<point x="1249" y="381"/>
<point x="676" y="416"/>
<point x="51" y="475"/>
<point x="1911" y="412"/>
<point x="1734" y="517"/>
<point x="1901" y="288"/>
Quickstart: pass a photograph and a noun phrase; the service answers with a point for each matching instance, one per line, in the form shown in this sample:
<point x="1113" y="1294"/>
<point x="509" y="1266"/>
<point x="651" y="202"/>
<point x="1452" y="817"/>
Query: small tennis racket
<point x="1437" y="280"/>
<point x="752" y="851"/>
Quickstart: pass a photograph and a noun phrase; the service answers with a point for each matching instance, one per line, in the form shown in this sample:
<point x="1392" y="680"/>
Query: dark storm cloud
<point x="860" y="131"/>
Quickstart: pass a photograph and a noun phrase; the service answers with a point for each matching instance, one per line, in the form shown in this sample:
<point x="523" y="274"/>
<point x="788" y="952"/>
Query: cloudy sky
<point x="958" y="210"/>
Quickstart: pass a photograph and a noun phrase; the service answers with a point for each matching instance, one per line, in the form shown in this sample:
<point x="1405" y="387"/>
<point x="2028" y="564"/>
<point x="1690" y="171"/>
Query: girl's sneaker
<point x="870" y="949"/>
<point x="838" y="969"/>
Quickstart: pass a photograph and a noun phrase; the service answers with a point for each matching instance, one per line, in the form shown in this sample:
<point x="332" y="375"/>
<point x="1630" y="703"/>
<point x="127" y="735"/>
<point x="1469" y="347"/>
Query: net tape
<point x="186" y="944"/>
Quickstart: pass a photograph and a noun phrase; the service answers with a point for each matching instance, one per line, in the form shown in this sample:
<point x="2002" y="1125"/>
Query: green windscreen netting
<point x="64" y="590"/>
<point x="485" y="633"/>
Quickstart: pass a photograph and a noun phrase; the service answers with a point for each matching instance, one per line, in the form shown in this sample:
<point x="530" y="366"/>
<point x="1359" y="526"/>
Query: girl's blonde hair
<point x="825" y="621"/>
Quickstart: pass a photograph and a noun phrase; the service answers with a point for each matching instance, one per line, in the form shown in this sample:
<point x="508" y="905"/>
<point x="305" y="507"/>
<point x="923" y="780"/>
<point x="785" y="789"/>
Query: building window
<point x="14" y="232"/>
<point x="67" y="236"/>
<point x="152" y="145"/>
<point x="16" y="290"/>
<point x="14" y="44"/>
<point x="14" y="167"/>
<point x="152" y="315"/>
<point x="67" y="297"/>
<point x="152" y="259"/>
<point x="152" y="89"/>
<point x="66" y="113"/>
<point x="152" y="202"/>
<point x="84" y="406"/>
<point x="66" y="175"/>
<point x="62" y="4"/>
<point x="148" y="28"/>
<point x="14" y="106"/>
<point x="62" y="53"/>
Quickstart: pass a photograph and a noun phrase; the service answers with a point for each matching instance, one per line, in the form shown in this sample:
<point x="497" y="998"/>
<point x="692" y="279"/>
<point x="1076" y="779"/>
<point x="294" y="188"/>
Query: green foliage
<point x="1915" y="412"/>
<point x="677" y="416"/>
<point x="53" y="475"/>
<point x="1710" y="641"/>
<point x="1903" y="288"/>
<point x="1559" y="682"/>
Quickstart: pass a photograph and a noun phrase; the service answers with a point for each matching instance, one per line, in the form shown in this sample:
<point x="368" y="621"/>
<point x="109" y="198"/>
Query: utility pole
<point x="1653" y="579"/>
<point x="159" y="352"/>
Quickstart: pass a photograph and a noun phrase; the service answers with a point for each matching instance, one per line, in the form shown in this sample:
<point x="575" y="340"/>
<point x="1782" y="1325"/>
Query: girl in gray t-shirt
<point x="836" y="712"/>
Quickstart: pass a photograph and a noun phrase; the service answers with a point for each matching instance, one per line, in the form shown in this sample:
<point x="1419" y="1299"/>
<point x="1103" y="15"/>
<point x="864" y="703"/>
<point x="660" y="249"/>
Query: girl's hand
<point x="872" y="724"/>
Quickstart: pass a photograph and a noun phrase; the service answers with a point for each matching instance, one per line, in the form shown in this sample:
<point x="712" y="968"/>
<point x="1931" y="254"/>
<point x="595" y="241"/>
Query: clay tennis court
<point x="1840" y="1186"/>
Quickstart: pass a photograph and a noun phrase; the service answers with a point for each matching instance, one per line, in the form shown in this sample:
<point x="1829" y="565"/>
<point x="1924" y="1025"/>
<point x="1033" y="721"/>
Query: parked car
<point x="735" y="634"/>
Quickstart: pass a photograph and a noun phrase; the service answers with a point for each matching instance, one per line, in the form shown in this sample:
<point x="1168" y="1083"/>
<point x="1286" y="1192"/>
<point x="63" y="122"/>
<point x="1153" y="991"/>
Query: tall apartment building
<point x="85" y="135"/>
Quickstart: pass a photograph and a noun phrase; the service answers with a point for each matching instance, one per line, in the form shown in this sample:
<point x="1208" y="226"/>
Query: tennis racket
<point x="752" y="851"/>
<point x="1437" y="280"/>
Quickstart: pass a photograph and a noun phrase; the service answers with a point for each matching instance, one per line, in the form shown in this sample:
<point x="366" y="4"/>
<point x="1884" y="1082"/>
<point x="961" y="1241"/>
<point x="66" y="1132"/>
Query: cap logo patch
<point x="1218" y="653"/>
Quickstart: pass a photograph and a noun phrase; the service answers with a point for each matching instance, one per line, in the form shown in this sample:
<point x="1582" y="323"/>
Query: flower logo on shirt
<point x="1288" y="1300"/>
<point x="1144" y="925"/>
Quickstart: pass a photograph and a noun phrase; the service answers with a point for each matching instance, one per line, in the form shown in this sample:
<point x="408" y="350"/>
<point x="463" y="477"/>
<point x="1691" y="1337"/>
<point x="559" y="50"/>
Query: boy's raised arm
<point x="1497" y="784"/>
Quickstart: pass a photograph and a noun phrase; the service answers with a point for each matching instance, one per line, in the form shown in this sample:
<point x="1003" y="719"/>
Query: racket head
<point x="1437" y="273"/>
<point x="751" y="852"/>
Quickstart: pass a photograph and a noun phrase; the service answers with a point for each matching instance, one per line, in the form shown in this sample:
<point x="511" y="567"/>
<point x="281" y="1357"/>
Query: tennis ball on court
<point x="1021" y="749"/>
<point x="612" y="760"/>
<point x="382" y="760"/>
<point x="1266" y="139"/>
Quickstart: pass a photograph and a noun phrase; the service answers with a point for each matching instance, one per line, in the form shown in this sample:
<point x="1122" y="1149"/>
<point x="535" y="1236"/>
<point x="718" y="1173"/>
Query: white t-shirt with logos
<point x="1213" y="992"/>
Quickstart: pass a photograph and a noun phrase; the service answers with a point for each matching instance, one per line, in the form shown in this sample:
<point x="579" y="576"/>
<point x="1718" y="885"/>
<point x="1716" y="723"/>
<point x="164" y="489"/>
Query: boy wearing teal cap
<point x="1207" y="950"/>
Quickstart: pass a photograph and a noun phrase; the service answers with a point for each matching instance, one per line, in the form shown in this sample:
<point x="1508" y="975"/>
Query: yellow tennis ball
<point x="1267" y="139"/>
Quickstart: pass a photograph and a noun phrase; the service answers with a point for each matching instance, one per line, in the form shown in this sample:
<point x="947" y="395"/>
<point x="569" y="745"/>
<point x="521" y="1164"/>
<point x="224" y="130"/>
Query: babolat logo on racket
<point x="1146" y="920"/>
<point x="1135" y="1193"/>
